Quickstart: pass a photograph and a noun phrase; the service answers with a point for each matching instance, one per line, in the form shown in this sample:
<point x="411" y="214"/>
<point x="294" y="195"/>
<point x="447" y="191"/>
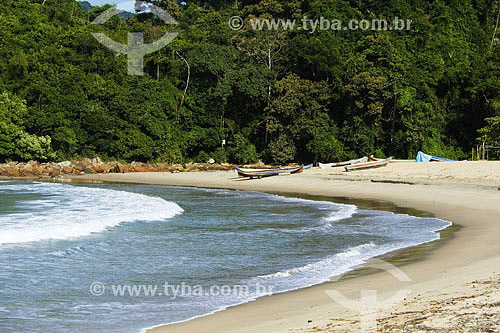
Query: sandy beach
<point x="455" y="288"/>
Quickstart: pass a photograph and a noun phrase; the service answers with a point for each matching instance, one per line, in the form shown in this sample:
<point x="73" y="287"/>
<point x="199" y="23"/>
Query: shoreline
<point x="397" y="257"/>
<point x="393" y="257"/>
<point x="471" y="255"/>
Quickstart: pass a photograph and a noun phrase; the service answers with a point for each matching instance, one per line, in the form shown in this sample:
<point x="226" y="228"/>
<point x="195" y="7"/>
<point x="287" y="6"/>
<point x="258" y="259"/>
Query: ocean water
<point x="68" y="253"/>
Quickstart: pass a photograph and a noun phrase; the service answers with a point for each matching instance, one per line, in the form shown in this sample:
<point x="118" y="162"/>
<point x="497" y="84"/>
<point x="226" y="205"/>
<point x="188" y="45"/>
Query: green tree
<point x="12" y="113"/>
<point x="15" y="143"/>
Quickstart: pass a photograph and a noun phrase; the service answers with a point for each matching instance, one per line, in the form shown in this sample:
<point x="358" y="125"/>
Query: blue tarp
<point x="422" y="157"/>
<point x="441" y="159"/>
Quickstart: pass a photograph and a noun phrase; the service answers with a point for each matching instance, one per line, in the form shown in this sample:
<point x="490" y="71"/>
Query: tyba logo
<point x="135" y="49"/>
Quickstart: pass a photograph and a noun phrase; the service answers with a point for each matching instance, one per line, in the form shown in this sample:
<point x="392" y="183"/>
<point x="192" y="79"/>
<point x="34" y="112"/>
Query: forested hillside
<point x="275" y="95"/>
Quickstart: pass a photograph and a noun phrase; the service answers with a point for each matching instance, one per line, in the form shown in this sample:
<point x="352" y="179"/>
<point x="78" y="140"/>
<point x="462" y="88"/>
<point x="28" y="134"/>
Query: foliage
<point x="32" y="147"/>
<point x="326" y="147"/>
<point x="12" y="112"/>
<point x="243" y="151"/>
<point x="15" y="143"/>
<point x="220" y="155"/>
<point x="281" y="95"/>
<point x="202" y="157"/>
<point x="491" y="132"/>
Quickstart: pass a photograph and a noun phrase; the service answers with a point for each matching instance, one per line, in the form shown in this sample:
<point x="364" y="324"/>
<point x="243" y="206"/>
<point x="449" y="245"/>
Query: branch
<point x="187" y="80"/>
<point x="495" y="31"/>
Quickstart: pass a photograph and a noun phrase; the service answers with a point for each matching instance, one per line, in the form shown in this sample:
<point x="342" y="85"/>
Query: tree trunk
<point x="187" y="80"/>
<point x="394" y="118"/>
<point x="495" y="31"/>
<point x="269" y="66"/>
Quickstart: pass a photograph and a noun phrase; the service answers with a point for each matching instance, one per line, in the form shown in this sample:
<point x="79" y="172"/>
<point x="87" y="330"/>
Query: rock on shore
<point x="96" y="165"/>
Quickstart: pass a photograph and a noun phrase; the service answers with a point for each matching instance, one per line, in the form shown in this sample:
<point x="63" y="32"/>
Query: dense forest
<point x="275" y="95"/>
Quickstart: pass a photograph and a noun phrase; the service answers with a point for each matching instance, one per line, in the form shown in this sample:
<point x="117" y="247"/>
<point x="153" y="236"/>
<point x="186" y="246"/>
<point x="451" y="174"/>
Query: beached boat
<point x="392" y="161"/>
<point x="310" y="166"/>
<point x="341" y="164"/>
<point x="325" y="165"/>
<point x="269" y="172"/>
<point x="402" y="161"/>
<point x="255" y="169"/>
<point x="249" y="170"/>
<point x="368" y="165"/>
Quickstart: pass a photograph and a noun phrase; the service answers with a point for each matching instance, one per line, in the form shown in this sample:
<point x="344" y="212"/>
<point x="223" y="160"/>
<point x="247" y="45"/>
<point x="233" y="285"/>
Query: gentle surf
<point x="57" y="240"/>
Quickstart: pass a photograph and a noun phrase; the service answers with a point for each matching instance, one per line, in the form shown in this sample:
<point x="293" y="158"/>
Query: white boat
<point x="269" y="173"/>
<point x="341" y="164"/>
<point x="392" y="161"/>
<point x="325" y="165"/>
<point x="368" y="165"/>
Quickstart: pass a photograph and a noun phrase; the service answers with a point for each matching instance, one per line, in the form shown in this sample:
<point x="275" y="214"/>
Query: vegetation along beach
<point x="249" y="166"/>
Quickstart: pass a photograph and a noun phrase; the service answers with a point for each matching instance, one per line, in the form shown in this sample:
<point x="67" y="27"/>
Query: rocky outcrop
<point x="64" y="164"/>
<point x="12" y="171"/>
<point x="118" y="168"/>
<point x="96" y="165"/>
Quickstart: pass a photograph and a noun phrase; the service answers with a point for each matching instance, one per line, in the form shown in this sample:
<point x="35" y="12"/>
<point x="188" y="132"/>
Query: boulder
<point x="34" y="171"/>
<point x="67" y="169"/>
<point x="190" y="166"/>
<point x="89" y="169"/>
<point x="32" y="164"/>
<point x="64" y="164"/>
<point x="119" y="169"/>
<point x="12" y="171"/>
<point x="46" y="169"/>
<point x="77" y="166"/>
<point x="100" y="169"/>
<point x="141" y="169"/>
<point x="162" y="167"/>
<point x="177" y="167"/>
<point x="84" y="165"/>
<point x="96" y="161"/>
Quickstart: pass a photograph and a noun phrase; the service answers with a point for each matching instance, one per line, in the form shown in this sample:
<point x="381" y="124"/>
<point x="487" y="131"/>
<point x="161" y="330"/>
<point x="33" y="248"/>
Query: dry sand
<point x="454" y="289"/>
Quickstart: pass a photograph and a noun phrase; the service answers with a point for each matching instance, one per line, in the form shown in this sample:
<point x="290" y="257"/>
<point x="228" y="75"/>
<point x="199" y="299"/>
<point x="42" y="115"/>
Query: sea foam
<point x="65" y="211"/>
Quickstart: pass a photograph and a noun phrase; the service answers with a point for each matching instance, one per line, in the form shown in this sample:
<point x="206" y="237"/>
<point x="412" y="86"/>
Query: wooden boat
<point x="249" y="170"/>
<point x="341" y="164"/>
<point x="325" y="165"/>
<point x="392" y="161"/>
<point x="269" y="172"/>
<point x="368" y="165"/>
<point x="255" y="169"/>
<point x="403" y="161"/>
